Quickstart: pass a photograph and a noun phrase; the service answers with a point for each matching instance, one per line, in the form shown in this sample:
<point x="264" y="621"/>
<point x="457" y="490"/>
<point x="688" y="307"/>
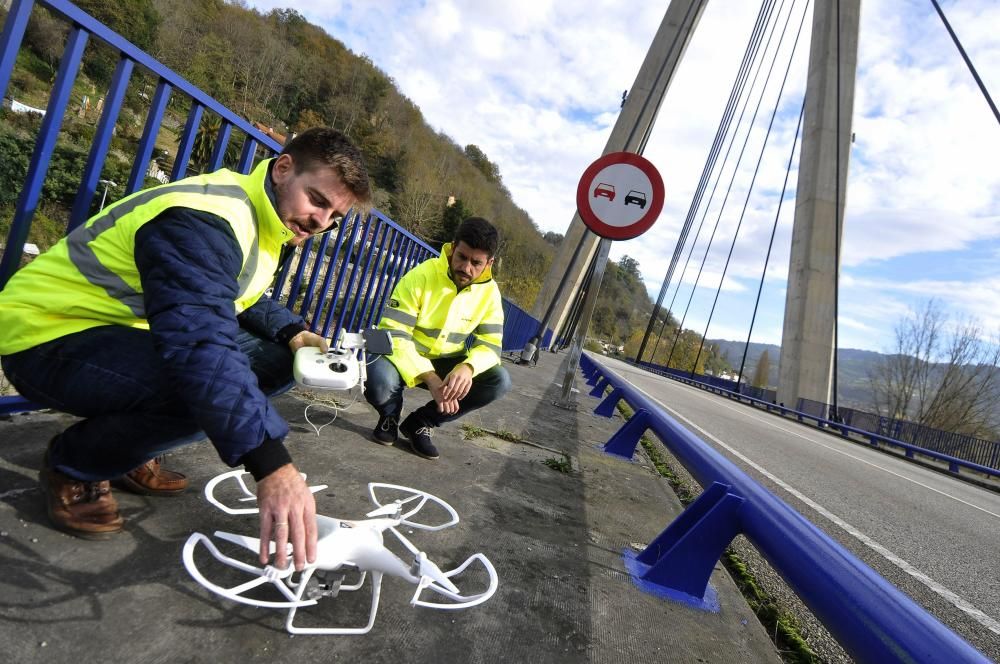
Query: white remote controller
<point x="336" y="369"/>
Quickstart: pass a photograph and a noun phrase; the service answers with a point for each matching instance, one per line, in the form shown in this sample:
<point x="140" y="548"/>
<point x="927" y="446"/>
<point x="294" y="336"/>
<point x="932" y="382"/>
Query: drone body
<point x="343" y="546"/>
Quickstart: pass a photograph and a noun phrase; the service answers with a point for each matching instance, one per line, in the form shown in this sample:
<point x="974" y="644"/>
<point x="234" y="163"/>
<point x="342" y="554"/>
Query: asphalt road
<point x="933" y="536"/>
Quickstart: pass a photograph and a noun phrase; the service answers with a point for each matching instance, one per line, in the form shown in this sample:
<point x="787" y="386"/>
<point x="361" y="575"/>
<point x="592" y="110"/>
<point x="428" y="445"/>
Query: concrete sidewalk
<point x="555" y="538"/>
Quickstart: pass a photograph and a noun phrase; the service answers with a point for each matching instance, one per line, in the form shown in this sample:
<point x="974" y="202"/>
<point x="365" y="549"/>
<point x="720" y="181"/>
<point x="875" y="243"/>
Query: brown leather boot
<point x="152" y="479"/>
<point x="84" y="509"/>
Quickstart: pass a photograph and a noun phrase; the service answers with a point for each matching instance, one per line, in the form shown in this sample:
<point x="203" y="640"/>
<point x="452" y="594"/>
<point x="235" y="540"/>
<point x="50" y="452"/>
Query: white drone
<point x="343" y="547"/>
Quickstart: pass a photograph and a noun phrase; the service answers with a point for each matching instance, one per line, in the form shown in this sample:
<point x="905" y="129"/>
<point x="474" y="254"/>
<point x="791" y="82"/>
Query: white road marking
<point x="959" y="603"/>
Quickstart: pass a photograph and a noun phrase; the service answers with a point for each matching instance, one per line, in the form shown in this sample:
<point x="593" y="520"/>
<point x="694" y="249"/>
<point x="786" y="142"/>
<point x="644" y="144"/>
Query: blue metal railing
<point x="874" y="439"/>
<point x="870" y="618"/>
<point x="340" y="280"/>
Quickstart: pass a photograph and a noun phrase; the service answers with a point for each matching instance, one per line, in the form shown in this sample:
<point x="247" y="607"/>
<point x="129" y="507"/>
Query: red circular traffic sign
<point x="620" y="196"/>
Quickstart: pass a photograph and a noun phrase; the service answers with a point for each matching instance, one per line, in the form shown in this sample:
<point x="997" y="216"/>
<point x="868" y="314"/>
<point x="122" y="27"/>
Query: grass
<point x="779" y="623"/>
<point x="472" y="431"/>
<point x="562" y="465"/>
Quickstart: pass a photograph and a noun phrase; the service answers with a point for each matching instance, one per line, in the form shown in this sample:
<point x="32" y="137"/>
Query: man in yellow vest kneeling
<point x="150" y="321"/>
<point x="446" y="321"/>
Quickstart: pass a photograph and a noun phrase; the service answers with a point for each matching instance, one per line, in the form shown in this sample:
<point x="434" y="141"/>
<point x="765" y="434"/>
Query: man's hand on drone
<point x="307" y="338"/>
<point x="458" y="382"/>
<point x="287" y="514"/>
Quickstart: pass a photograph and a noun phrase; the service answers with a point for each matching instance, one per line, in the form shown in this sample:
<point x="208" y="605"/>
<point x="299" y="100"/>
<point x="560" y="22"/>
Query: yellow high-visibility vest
<point x="429" y="318"/>
<point x="89" y="278"/>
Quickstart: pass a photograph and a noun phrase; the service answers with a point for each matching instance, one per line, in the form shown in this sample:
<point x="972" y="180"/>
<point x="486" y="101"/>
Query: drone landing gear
<point x="329" y="584"/>
<point x="304" y="584"/>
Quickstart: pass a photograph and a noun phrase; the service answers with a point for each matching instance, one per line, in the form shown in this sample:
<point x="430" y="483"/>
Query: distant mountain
<point x="853" y="369"/>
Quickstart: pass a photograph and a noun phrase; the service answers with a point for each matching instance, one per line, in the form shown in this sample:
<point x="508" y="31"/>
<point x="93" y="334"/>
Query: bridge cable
<point x="968" y="62"/>
<point x="770" y="244"/>
<point x="718" y="176"/>
<point x="835" y="416"/>
<point x="750" y="56"/>
<point x="720" y="134"/>
<point x="735" y="172"/>
<point x="753" y="179"/>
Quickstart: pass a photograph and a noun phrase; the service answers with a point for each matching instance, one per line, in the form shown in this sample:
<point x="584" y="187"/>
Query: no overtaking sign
<point x="620" y="196"/>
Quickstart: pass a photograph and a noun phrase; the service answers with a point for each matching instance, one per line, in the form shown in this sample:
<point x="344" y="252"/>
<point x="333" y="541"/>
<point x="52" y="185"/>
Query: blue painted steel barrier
<point x="845" y="430"/>
<point x="870" y="618"/>
<point x="340" y="280"/>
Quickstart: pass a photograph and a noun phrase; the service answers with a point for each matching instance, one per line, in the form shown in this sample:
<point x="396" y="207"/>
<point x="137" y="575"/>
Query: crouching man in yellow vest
<point x="151" y="322"/>
<point x="446" y="321"/>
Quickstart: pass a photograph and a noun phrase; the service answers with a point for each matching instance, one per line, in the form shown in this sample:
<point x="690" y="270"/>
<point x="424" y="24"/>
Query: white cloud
<point x="537" y="84"/>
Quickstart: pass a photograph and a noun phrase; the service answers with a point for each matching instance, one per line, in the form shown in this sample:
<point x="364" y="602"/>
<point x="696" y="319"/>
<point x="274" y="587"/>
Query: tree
<point x="452" y="216"/>
<point x="204" y="144"/>
<point x="941" y="375"/>
<point x="763" y="369"/>
<point x="46" y="36"/>
<point x="628" y="267"/>
<point x="483" y="164"/>
<point x="135" y="20"/>
<point x="553" y="238"/>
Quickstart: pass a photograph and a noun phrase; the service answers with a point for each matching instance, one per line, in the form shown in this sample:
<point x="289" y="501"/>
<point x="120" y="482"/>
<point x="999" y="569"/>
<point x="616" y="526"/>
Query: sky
<point x="537" y="85"/>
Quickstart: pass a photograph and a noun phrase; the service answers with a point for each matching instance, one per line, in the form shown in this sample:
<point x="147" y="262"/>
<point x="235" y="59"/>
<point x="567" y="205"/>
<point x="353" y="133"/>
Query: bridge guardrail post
<point x="607" y="407"/>
<point x="602" y="384"/>
<point x="682" y="557"/>
<point x="624" y="441"/>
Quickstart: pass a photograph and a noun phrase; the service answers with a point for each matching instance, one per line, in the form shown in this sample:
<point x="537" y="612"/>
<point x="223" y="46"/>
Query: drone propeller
<point x="248" y="495"/>
<point x="427" y="568"/>
<point x="394" y="508"/>
<point x="423" y="567"/>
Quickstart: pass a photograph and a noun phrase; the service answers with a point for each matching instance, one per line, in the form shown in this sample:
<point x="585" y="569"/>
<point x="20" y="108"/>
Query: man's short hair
<point x="322" y="146"/>
<point x="477" y="233"/>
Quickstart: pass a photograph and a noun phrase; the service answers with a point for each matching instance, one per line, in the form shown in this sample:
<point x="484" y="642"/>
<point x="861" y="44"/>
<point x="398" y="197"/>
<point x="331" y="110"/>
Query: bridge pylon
<point x="808" y="338"/>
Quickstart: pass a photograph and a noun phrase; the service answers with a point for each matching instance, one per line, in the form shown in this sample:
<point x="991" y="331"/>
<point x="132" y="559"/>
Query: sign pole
<point x="576" y="349"/>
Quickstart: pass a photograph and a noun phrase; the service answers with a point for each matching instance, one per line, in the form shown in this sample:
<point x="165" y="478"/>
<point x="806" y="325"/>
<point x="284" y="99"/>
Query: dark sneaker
<point x="152" y="479"/>
<point x="420" y="437"/>
<point x="386" y="433"/>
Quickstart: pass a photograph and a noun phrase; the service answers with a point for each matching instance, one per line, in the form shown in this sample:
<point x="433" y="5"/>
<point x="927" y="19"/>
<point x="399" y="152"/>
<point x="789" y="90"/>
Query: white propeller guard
<point x="404" y="517"/>
<point x="248" y="495"/>
<point x="268" y="574"/>
<point x="460" y="601"/>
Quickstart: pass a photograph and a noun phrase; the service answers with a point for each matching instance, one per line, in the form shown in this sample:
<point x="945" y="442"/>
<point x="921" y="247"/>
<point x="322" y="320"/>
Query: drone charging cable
<point x="335" y="408"/>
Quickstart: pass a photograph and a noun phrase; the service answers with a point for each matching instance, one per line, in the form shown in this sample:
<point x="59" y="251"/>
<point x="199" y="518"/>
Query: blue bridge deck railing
<point x="339" y="280"/>
<point x="870" y="618"/>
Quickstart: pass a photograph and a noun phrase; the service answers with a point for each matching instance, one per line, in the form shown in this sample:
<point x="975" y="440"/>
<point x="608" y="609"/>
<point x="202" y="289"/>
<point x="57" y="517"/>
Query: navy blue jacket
<point x="188" y="262"/>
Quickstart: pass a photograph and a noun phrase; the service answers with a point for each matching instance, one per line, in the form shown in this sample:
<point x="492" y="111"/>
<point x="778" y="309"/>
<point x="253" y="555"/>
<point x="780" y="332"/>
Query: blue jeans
<point x="113" y="377"/>
<point x="384" y="390"/>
